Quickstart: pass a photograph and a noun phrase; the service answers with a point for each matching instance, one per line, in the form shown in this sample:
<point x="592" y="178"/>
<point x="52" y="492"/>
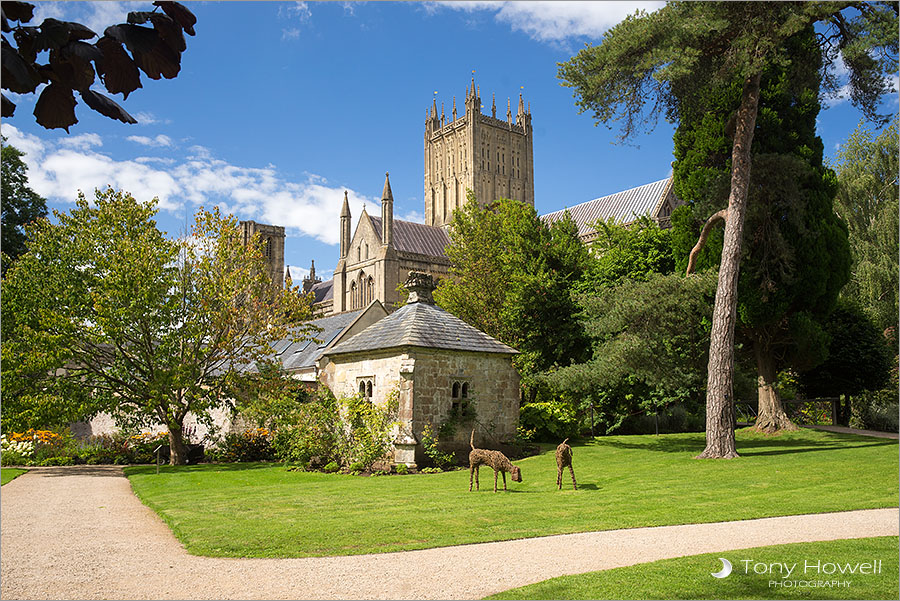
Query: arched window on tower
<point x="354" y="301"/>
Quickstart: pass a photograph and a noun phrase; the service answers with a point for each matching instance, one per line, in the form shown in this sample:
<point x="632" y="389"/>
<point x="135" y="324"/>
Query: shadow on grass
<point x="775" y="445"/>
<point x="199" y="467"/>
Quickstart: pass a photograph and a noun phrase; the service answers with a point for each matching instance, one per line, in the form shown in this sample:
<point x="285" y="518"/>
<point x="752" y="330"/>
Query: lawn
<point x="690" y="577"/>
<point x="263" y="510"/>
<point x="10" y="473"/>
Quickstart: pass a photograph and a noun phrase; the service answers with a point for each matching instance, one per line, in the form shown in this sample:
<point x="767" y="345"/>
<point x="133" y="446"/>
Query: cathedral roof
<point x="625" y="206"/>
<point x="424" y="325"/>
<point x="305" y="352"/>
<point x="416" y="237"/>
<point x="323" y="290"/>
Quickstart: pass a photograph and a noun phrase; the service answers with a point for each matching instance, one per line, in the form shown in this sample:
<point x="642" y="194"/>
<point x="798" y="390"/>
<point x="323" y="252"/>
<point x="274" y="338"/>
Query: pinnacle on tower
<point x="386" y="193"/>
<point x="521" y="104"/>
<point x="312" y="269"/>
<point x="508" y="111"/>
<point x="442" y="113"/>
<point x="345" y="210"/>
<point x="494" y="106"/>
<point x="454" y="108"/>
<point x="288" y="282"/>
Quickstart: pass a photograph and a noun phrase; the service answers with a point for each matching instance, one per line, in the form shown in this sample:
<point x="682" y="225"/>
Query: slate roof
<point x="305" y="352"/>
<point x="416" y="237"/>
<point x="625" y="206"/>
<point x="421" y="325"/>
<point x="323" y="290"/>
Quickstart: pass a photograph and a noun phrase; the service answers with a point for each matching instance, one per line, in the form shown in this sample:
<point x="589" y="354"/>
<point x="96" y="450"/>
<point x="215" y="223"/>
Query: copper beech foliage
<point x="117" y="58"/>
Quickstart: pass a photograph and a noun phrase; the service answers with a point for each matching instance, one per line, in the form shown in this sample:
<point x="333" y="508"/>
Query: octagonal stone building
<point x="440" y="366"/>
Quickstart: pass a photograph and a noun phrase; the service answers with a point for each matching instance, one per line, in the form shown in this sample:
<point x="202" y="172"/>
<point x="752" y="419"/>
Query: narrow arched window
<point x="465" y="390"/>
<point x="369" y="389"/>
<point x="455" y="391"/>
<point x="362" y="388"/>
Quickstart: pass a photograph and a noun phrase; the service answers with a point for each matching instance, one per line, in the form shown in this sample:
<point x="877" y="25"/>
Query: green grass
<point x="10" y="473"/>
<point x="690" y="577"/>
<point x="262" y="510"/>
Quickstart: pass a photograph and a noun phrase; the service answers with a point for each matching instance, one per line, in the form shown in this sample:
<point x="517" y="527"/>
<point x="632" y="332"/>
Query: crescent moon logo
<point x="726" y="569"/>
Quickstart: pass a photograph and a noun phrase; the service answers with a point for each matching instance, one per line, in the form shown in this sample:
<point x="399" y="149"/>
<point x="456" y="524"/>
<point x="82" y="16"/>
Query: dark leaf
<point x="77" y="31"/>
<point x="162" y="61"/>
<point x="72" y="71"/>
<point x="55" y="107"/>
<point x="169" y="31"/>
<point x="9" y="107"/>
<point x="139" y="17"/>
<point x="180" y="14"/>
<point x="135" y="38"/>
<point x="53" y="34"/>
<point x="106" y="106"/>
<point x="88" y="52"/>
<point x="116" y="69"/>
<point x="26" y="38"/>
<point x="18" y="76"/>
<point x="18" y="11"/>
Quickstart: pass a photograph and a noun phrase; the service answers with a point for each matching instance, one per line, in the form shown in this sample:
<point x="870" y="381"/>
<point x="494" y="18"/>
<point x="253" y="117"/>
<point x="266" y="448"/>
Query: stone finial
<point x="420" y="286"/>
<point x="454" y="108"/>
<point x="345" y="210"/>
<point x="288" y="282"/>
<point x="494" y="106"/>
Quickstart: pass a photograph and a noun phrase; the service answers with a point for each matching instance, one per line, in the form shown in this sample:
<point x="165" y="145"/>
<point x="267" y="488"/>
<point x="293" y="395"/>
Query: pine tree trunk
<point x="771" y="417"/>
<point x="177" y="448"/>
<point x="720" y="419"/>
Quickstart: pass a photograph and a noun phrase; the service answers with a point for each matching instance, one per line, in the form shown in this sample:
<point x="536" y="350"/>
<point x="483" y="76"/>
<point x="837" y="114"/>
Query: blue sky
<point x="280" y="107"/>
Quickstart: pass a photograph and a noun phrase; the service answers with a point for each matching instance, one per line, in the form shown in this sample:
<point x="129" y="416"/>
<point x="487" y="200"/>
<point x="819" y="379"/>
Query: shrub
<point x="402" y="469"/>
<point x="348" y="431"/>
<point x="16" y="452"/>
<point x="548" y="420"/>
<point x="250" y="445"/>
<point x="430" y="470"/>
<point x="430" y="444"/>
<point x="331" y="467"/>
<point x="60" y="460"/>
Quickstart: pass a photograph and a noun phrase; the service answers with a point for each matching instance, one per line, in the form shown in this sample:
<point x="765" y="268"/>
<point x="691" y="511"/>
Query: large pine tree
<point x="796" y="256"/>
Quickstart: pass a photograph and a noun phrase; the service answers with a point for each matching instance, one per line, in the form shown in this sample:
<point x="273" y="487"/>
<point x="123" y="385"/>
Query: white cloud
<point x="290" y="34"/>
<point x="82" y="141"/>
<point x="414" y="216"/>
<point x="297" y="11"/>
<point x="95" y="15"/>
<point x="309" y="208"/>
<point x="159" y="140"/>
<point x="554" y="21"/>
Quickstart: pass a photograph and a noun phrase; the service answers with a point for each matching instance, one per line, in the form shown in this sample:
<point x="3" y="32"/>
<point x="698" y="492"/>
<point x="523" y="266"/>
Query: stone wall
<point x="424" y="378"/>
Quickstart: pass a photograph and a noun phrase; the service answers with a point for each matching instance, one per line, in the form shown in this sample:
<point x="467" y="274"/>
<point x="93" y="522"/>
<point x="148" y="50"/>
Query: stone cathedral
<point x="492" y="157"/>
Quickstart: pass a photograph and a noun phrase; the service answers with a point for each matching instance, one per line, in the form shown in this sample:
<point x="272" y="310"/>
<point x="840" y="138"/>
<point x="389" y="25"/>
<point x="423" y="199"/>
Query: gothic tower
<point x="271" y="239"/>
<point x="490" y="156"/>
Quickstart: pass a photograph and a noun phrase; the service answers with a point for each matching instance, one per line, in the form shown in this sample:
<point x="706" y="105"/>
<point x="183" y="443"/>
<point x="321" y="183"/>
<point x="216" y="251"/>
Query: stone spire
<point x="387" y="212"/>
<point x="311" y="280"/>
<point x="508" y="112"/>
<point x="345" y="227"/>
<point x="420" y="286"/>
<point x="288" y="282"/>
<point x="454" y="108"/>
<point x="442" y="114"/>
<point x="494" y="106"/>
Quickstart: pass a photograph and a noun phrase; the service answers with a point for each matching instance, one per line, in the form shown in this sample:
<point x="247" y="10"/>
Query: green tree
<point x="633" y="252"/>
<point x="859" y="359"/>
<point x="671" y="59"/>
<point x="511" y="278"/>
<point x="867" y="168"/>
<point x="650" y="340"/>
<point x="796" y="257"/>
<point x="20" y="204"/>
<point x="149" y="328"/>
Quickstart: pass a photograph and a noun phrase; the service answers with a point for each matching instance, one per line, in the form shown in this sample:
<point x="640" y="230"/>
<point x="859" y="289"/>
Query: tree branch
<point x="704" y="234"/>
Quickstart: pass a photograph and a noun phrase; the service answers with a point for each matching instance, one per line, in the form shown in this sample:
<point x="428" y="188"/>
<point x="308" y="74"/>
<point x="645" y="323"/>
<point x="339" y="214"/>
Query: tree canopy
<point x="19" y="203"/>
<point x="154" y="50"/>
<point x="672" y="59"/>
<point x="104" y="306"/>
<point x="867" y="168"/>
<point x="511" y="277"/>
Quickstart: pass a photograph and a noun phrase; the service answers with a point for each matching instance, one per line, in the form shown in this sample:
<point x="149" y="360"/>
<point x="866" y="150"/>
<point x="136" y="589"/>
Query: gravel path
<point x="80" y="533"/>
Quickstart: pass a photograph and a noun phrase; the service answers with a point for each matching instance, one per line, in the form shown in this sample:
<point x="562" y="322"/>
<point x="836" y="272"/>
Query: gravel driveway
<point x="79" y="532"/>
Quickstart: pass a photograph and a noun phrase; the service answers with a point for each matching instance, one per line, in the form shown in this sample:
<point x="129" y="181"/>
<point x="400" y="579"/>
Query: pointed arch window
<point x="366" y="386"/>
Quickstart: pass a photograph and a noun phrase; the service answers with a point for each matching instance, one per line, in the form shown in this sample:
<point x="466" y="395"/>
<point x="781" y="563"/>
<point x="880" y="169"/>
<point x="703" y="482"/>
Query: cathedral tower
<point x="490" y="156"/>
<point x="271" y="239"/>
